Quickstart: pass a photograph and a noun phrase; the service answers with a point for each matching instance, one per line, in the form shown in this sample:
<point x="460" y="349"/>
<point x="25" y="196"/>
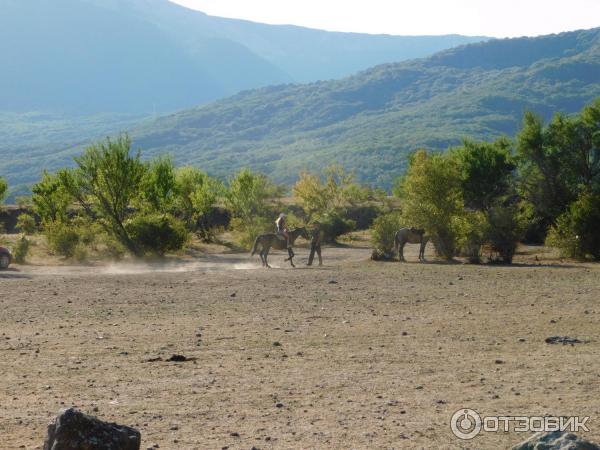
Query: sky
<point x="497" y="18"/>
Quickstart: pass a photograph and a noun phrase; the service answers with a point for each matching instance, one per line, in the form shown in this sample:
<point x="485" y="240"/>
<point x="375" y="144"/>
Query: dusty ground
<point x="352" y="355"/>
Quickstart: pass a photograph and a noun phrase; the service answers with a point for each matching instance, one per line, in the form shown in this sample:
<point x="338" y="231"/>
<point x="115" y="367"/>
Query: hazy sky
<point x="499" y="18"/>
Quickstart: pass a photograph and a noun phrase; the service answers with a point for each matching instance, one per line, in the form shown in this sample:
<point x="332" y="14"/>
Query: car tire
<point x="4" y="261"/>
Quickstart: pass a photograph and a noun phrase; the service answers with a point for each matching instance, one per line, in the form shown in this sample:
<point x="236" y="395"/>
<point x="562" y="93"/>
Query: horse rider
<point x="282" y="229"/>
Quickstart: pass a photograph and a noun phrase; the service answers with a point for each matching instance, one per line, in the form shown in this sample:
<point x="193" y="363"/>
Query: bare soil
<point x="355" y="354"/>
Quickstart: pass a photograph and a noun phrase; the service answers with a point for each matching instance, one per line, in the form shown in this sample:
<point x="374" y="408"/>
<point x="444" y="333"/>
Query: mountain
<point x="370" y="122"/>
<point x="83" y="57"/>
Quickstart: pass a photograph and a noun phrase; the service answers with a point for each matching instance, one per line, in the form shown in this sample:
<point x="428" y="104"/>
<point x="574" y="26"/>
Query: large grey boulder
<point x="556" y="440"/>
<point x="73" y="430"/>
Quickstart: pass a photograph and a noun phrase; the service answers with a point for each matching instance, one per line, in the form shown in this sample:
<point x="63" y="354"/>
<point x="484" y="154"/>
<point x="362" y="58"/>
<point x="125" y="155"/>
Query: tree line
<point x="543" y="186"/>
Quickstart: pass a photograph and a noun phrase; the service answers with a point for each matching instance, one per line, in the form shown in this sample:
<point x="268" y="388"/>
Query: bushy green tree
<point x="50" y="198"/>
<point x="158" y="186"/>
<point x="507" y="224"/>
<point x="333" y="192"/>
<point x="21" y="250"/>
<point x="383" y="233"/>
<point x="105" y="183"/>
<point x="577" y="232"/>
<point x="432" y="199"/>
<point x="486" y="171"/>
<point x="26" y="223"/>
<point x="157" y="233"/>
<point x="196" y="196"/>
<point x="476" y="231"/>
<point x="248" y="194"/>
<point x="558" y="162"/>
<point x="249" y="198"/>
<point x="62" y="238"/>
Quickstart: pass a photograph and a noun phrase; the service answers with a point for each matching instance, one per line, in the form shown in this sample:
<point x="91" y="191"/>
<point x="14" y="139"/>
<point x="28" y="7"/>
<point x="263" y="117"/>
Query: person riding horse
<point x="282" y="229"/>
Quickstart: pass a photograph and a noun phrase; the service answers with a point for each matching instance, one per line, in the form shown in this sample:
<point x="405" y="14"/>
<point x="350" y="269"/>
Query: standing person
<point x="315" y="243"/>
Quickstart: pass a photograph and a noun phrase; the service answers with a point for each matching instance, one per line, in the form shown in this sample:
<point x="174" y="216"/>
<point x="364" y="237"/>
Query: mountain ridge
<point x="85" y="57"/>
<point x="371" y="121"/>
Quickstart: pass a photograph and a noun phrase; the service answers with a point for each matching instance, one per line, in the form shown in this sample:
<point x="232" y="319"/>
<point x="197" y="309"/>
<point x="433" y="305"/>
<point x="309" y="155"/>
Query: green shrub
<point x="432" y="199"/>
<point x="110" y="247"/>
<point x="21" y="250"/>
<point x="576" y="232"/>
<point x="507" y="225"/>
<point x="157" y="233"/>
<point x="383" y="233"/>
<point x="62" y="238"/>
<point x="26" y="223"/>
<point x="333" y="225"/>
<point x="475" y="233"/>
<point x="246" y="231"/>
<point x="81" y="252"/>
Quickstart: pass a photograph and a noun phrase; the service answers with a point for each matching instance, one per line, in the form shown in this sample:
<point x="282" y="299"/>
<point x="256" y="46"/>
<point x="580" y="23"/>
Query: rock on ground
<point x="556" y="440"/>
<point x="73" y="430"/>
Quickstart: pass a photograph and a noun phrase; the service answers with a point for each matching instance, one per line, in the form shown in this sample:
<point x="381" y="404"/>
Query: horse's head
<point x="301" y="231"/>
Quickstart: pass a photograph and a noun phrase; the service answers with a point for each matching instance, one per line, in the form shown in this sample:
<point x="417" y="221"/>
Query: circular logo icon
<point x="465" y="424"/>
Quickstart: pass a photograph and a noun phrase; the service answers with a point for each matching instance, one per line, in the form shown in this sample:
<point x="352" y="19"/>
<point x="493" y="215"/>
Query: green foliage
<point x="245" y="232"/>
<point x="3" y="189"/>
<point x="249" y="198"/>
<point x="62" y="238"/>
<point x="333" y="194"/>
<point x="383" y="233"/>
<point x="486" y="171"/>
<point x="196" y="197"/>
<point x="80" y="253"/>
<point x="157" y="233"/>
<point x="334" y="225"/>
<point x="50" y="197"/>
<point x="576" y="232"/>
<point x="21" y="250"/>
<point x="26" y="223"/>
<point x="431" y="193"/>
<point x="476" y="230"/>
<point x="158" y="186"/>
<point x="249" y="193"/>
<point x="369" y="123"/>
<point x="507" y="226"/>
<point x="559" y="161"/>
<point x="105" y="182"/>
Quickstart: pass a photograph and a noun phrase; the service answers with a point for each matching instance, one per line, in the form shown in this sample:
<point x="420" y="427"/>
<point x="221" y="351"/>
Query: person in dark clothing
<point x="315" y="244"/>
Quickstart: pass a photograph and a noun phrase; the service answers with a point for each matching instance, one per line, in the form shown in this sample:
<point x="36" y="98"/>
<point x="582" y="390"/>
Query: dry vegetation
<point x="352" y="355"/>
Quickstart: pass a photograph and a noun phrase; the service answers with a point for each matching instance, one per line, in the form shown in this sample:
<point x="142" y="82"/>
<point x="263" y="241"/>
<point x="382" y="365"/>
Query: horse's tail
<point x="254" y="247"/>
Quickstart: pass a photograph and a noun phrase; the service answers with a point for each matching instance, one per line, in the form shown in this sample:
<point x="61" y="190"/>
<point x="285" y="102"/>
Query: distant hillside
<point x="371" y="121"/>
<point x="141" y="56"/>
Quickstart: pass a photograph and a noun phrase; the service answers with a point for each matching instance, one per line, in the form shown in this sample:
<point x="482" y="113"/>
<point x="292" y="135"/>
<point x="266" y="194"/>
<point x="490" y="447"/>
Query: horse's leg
<point x="401" y="251"/>
<point x="319" y="255"/>
<point x="266" y="256"/>
<point x="291" y="256"/>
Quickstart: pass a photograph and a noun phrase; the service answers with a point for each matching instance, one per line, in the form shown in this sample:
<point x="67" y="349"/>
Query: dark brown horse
<point x="277" y="241"/>
<point x="410" y="236"/>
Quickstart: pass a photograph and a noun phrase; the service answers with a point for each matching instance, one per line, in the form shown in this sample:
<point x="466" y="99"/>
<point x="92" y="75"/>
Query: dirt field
<point x="356" y="354"/>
